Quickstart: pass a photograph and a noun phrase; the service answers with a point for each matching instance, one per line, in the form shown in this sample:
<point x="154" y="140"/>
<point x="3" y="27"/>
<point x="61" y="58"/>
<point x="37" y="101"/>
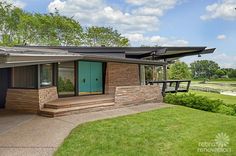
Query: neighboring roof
<point x="19" y="56"/>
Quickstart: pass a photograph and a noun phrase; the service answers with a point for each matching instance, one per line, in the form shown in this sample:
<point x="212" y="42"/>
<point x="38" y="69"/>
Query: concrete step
<point x="51" y="112"/>
<point x="77" y="103"/>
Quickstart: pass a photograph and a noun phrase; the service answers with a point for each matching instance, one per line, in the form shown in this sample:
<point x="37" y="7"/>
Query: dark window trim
<point x="12" y="79"/>
<point x="23" y="88"/>
<point x="57" y="75"/>
<point x="53" y="76"/>
<point x="104" y="69"/>
<point x="76" y="76"/>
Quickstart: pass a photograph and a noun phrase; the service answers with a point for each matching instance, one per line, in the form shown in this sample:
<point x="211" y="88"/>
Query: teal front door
<point x="96" y="77"/>
<point x="90" y="77"/>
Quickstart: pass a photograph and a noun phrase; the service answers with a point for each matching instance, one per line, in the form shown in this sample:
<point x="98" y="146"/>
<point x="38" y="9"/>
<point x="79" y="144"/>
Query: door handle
<point x="84" y="80"/>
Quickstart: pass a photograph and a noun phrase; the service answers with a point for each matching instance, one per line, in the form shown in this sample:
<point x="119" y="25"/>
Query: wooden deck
<point x="78" y="104"/>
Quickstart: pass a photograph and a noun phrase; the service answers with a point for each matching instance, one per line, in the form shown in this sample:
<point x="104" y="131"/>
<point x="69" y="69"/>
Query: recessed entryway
<point x="90" y="77"/>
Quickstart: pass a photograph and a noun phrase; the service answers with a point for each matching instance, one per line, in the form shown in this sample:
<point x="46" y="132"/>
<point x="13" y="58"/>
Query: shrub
<point x="200" y="102"/>
<point x="223" y="109"/>
<point x="232" y="106"/>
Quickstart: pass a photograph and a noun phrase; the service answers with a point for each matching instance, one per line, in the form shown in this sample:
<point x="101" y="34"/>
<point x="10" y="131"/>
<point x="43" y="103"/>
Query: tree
<point x="204" y="68"/>
<point x="98" y="36"/>
<point x="232" y="73"/>
<point x="220" y="73"/>
<point x="179" y="70"/>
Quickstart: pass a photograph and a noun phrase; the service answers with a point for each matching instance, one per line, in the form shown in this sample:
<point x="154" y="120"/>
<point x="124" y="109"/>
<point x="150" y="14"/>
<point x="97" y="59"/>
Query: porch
<point x="77" y="104"/>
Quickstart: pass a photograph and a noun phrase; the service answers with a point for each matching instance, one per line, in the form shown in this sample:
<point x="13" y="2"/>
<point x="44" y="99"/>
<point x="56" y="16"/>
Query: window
<point x="66" y="78"/>
<point x="46" y="75"/>
<point x="24" y="77"/>
<point x="150" y="73"/>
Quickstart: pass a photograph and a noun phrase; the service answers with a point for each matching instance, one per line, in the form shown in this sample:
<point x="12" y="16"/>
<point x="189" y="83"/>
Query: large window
<point x="66" y="78"/>
<point x="150" y="73"/>
<point x="24" y="77"/>
<point x="46" y="75"/>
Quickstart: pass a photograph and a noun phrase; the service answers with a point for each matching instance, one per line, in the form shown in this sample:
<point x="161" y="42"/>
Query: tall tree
<point x="98" y="36"/>
<point x="204" y="68"/>
<point x="179" y="70"/>
<point x="18" y="27"/>
<point x="10" y="18"/>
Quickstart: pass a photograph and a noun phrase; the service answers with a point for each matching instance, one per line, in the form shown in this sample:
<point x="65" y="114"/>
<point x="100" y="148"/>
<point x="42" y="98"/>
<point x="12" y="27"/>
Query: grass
<point x="165" y="132"/>
<point x="226" y="98"/>
<point x="231" y="81"/>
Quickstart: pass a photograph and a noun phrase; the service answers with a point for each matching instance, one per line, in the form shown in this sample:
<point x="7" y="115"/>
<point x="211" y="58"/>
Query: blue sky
<point x="210" y="23"/>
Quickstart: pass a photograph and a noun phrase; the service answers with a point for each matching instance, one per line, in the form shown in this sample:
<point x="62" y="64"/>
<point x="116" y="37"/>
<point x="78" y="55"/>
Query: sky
<point x="210" y="23"/>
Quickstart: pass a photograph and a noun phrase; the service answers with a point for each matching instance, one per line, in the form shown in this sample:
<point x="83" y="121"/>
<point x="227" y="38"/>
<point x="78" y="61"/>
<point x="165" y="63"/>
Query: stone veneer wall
<point x="137" y="94"/>
<point x="29" y="100"/>
<point x="121" y="74"/>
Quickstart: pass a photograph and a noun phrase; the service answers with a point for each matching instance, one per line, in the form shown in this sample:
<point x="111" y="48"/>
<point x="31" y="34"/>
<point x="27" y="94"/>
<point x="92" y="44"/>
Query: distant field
<point x="226" y="98"/>
<point x="214" y="85"/>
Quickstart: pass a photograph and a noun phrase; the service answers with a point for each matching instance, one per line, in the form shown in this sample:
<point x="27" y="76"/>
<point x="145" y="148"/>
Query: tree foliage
<point x="18" y="27"/>
<point x="204" y="69"/>
<point x="179" y="70"/>
<point x="97" y="36"/>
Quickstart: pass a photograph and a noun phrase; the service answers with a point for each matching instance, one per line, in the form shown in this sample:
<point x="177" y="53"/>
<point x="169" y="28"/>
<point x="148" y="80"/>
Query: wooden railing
<point x="171" y="86"/>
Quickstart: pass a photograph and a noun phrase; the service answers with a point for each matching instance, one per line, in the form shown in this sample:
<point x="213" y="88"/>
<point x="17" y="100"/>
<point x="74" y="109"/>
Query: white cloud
<point x="139" y="19"/>
<point x="143" y="17"/>
<point x="97" y="12"/>
<point x="224" y="9"/>
<point x="16" y="3"/>
<point x="223" y="59"/>
<point x="140" y="39"/>
<point x="221" y="37"/>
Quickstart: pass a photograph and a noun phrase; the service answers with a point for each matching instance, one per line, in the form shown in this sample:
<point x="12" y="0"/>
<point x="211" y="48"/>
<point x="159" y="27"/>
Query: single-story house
<point x="56" y="80"/>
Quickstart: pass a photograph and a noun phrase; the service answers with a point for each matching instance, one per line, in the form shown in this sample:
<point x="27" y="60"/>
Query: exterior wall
<point x="121" y="74"/>
<point x="138" y="94"/>
<point x="29" y="100"/>
<point x="46" y="95"/>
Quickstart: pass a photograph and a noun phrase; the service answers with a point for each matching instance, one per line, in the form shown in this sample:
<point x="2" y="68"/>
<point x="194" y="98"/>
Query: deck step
<point x="69" y="104"/>
<point x="51" y="112"/>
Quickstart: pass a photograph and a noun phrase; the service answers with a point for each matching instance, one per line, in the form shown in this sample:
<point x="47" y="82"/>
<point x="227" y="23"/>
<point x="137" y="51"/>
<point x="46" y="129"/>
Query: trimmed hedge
<point x="200" y="102"/>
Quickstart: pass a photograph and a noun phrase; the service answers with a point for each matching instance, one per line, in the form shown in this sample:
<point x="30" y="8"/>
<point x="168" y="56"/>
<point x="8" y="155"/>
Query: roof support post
<point x="165" y="70"/>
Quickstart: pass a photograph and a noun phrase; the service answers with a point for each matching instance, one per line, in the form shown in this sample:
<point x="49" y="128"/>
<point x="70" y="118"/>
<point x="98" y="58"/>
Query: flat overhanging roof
<point x="136" y="52"/>
<point x="12" y="57"/>
<point x="31" y="55"/>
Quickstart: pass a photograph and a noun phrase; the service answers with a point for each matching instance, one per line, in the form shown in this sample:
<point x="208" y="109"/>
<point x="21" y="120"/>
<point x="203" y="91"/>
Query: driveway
<point x="32" y="135"/>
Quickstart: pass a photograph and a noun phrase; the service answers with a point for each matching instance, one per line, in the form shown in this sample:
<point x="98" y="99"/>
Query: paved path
<point x="32" y="135"/>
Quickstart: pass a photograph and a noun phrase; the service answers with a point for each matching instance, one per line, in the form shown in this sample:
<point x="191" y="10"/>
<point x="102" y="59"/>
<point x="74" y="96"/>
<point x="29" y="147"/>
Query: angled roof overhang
<point x="31" y="55"/>
<point x="137" y="52"/>
<point x="22" y="57"/>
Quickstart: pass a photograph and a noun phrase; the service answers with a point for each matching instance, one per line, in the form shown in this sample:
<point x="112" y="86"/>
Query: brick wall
<point x="121" y="74"/>
<point x="29" y="100"/>
<point x="137" y="94"/>
<point x="46" y="95"/>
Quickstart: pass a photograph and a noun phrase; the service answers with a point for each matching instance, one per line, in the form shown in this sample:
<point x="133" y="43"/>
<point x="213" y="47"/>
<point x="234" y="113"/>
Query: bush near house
<point x="200" y="102"/>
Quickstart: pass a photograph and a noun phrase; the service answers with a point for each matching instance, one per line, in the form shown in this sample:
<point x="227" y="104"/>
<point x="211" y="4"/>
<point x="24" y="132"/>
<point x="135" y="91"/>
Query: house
<point x="57" y="80"/>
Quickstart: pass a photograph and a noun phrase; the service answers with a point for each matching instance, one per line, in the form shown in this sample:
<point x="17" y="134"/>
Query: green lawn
<point x="226" y="98"/>
<point x="169" y="131"/>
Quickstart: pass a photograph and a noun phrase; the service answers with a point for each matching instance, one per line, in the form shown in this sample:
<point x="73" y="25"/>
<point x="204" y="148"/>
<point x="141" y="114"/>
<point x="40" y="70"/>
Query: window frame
<point x="13" y="75"/>
<point x="52" y="76"/>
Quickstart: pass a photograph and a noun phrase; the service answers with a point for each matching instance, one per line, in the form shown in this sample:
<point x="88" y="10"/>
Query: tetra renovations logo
<point x="220" y="144"/>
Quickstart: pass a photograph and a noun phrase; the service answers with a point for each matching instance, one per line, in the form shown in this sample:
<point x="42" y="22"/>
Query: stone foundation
<point x="137" y="94"/>
<point x="29" y="100"/>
